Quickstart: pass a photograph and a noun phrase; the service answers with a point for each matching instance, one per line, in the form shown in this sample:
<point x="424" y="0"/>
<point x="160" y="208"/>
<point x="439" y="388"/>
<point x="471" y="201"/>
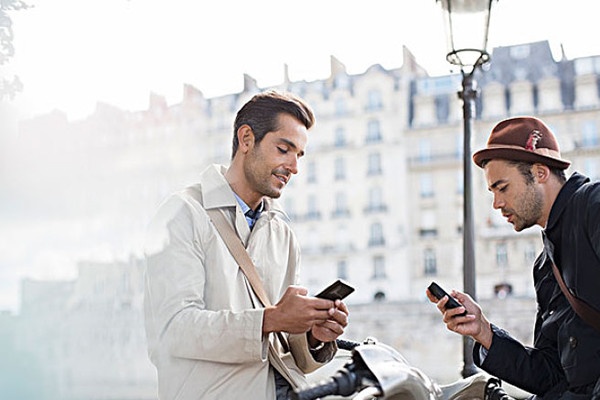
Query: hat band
<point x="540" y="151"/>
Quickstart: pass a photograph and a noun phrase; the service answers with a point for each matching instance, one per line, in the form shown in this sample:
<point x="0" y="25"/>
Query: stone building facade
<point x="378" y="202"/>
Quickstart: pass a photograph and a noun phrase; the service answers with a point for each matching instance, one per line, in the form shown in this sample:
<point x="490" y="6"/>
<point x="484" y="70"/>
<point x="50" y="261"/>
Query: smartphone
<point x="439" y="294"/>
<point x="337" y="290"/>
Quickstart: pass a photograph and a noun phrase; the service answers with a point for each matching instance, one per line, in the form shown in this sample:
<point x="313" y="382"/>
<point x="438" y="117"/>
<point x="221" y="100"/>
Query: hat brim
<point x="512" y="154"/>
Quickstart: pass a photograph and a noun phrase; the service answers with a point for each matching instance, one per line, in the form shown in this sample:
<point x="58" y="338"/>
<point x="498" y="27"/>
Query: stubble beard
<point x="530" y="212"/>
<point x="258" y="177"/>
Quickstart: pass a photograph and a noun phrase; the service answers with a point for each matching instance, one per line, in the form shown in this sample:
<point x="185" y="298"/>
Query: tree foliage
<point x="8" y="86"/>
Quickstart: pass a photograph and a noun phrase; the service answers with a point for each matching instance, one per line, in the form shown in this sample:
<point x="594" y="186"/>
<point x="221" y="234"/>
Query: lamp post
<point x="467" y="24"/>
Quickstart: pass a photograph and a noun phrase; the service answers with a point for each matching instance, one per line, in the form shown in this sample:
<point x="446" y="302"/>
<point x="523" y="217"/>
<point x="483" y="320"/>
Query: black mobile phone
<point x="337" y="290"/>
<point x="439" y="293"/>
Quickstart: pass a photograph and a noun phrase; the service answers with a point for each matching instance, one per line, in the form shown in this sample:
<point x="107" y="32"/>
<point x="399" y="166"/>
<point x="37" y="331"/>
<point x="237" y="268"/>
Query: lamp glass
<point x="466" y="23"/>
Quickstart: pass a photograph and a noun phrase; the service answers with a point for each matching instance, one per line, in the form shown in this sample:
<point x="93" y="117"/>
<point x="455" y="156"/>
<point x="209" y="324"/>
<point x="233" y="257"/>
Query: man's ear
<point x="541" y="172"/>
<point x="245" y="138"/>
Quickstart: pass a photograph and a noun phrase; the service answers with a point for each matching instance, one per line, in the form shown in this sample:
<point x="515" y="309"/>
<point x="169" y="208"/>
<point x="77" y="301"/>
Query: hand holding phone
<point x="337" y="290"/>
<point x="439" y="294"/>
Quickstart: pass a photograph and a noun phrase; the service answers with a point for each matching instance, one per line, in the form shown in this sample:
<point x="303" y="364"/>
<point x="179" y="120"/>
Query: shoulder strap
<point x="235" y="247"/>
<point x="239" y="252"/>
<point x="585" y="311"/>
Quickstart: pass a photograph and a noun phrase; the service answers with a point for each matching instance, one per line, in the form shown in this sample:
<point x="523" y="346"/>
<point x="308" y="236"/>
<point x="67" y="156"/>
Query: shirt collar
<point x="245" y="207"/>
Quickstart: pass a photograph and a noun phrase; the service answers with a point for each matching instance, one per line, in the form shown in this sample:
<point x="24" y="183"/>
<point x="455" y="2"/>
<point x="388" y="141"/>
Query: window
<point x="311" y="172"/>
<point x="426" y="185"/>
<point x="520" y="74"/>
<point x="374" y="164"/>
<point x="313" y="211"/>
<point x="373" y="132"/>
<point x="530" y="254"/>
<point x="424" y="150"/>
<point x="519" y="52"/>
<point x="590" y="168"/>
<point x="502" y="290"/>
<point x="341" y="81"/>
<point x="428" y="226"/>
<point x="342" y="241"/>
<point x="442" y="108"/>
<point x="501" y="255"/>
<point x="590" y="134"/>
<point x="374" y="101"/>
<point x="339" y="137"/>
<point x="340" y="107"/>
<point x="342" y="269"/>
<point x="339" y="169"/>
<point x="375" y="200"/>
<point x="376" y="235"/>
<point x="378" y="267"/>
<point x="341" y="205"/>
<point x="312" y="241"/>
<point x="379" y="296"/>
<point x="429" y="262"/>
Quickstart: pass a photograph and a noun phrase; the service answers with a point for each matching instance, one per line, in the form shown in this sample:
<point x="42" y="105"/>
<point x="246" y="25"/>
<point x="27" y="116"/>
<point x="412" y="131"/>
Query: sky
<point x="71" y="54"/>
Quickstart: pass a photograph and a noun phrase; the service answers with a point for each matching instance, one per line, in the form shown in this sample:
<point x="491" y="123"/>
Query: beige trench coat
<point x="203" y="322"/>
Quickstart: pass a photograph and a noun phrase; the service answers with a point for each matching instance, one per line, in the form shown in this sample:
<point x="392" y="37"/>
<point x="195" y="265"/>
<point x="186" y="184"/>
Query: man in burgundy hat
<point x="525" y="172"/>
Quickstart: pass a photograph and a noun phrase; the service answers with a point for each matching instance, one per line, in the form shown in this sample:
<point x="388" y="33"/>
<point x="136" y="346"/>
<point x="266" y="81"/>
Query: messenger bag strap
<point x="241" y="256"/>
<point x="239" y="253"/>
<point x="585" y="312"/>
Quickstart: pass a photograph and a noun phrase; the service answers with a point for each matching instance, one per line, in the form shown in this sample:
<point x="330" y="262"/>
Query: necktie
<point x="251" y="214"/>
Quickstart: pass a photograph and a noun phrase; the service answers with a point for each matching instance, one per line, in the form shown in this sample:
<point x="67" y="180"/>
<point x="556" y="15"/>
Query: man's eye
<point x="282" y="150"/>
<point x="503" y="189"/>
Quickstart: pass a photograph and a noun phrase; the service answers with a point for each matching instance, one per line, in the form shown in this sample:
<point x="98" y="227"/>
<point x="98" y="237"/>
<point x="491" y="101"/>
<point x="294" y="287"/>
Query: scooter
<point x="377" y="371"/>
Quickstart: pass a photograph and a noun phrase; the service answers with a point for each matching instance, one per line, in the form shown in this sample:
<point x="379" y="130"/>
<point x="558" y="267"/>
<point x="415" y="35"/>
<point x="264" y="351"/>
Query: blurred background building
<point x="378" y="202"/>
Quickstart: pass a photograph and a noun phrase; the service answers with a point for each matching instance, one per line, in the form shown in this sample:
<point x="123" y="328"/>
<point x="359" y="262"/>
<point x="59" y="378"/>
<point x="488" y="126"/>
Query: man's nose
<point x="292" y="165"/>
<point x="498" y="202"/>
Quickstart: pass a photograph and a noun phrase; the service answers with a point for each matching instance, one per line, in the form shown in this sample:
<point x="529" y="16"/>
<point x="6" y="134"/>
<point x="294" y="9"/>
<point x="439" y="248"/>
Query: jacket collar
<point x="216" y="192"/>
<point x="564" y="196"/>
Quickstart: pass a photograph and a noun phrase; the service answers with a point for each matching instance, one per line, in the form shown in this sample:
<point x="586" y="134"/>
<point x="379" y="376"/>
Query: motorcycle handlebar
<point x="345" y="382"/>
<point x="346" y="344"/>
<point x="494" y="390"/>
<point x="316" y="392"/>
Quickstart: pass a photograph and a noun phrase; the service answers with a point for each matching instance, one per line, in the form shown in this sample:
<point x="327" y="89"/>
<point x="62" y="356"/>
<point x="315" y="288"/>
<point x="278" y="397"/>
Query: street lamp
<point x="467" y="24"/>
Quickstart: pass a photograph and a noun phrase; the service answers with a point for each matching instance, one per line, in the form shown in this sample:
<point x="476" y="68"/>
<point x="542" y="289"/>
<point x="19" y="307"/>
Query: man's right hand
<point x="474" y="324"/>
<point x="296" y="313"/>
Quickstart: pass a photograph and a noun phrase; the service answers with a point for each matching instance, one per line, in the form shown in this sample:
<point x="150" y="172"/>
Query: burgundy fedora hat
<point x="522" y="139"/>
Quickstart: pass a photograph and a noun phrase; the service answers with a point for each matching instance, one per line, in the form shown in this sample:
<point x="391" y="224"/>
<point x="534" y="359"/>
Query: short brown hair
<point x="261" y="114"/>
<point x="525" y="170"/>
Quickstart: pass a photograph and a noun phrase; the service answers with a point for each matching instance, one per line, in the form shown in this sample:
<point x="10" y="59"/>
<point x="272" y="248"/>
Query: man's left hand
<point x="331" y="329"/>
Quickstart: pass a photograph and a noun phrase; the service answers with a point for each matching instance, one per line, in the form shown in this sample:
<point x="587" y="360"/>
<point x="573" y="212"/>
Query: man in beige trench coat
<point x="208" y="334"/>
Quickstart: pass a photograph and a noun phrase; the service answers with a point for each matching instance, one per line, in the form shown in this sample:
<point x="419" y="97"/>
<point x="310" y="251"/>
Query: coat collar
<point x="564" y="196"/>
<point x="217" y="193"/>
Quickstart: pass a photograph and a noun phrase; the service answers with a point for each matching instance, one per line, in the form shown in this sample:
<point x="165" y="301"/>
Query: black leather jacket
<point x="565" y="358"/>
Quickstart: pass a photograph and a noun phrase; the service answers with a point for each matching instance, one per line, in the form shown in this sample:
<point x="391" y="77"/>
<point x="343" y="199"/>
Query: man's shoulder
<point x="273" y="207"/>
<point x="577" y="190"/>
<point x="589" y="191"/>
<point x="586" y="197"/>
